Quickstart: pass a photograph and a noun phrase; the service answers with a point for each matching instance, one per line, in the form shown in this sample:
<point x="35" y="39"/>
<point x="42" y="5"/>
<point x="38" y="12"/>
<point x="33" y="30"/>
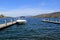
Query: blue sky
<point x="28" y="7"/>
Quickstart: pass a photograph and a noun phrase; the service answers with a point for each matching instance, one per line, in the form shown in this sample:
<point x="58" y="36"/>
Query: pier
<point x="50" y="21"/>
<point x="7" y="24"/>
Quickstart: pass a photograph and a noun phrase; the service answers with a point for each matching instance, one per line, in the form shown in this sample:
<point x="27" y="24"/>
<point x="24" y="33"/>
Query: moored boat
<point x="21" y="21"/>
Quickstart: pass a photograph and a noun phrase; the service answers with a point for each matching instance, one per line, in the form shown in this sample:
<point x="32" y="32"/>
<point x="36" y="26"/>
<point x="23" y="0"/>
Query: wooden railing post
<point x="49" y="19"/>
<point x="6" y="22"/>
<point x="56" y="20"/>
<point x="12" y="21"/>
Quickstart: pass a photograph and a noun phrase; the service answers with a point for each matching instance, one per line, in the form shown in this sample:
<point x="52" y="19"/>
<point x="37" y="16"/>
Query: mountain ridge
<point x="49" y="15"/>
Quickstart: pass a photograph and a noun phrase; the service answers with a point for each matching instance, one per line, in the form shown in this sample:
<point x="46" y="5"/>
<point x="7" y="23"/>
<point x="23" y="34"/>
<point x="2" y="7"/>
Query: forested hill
<point x="3" y="16"/>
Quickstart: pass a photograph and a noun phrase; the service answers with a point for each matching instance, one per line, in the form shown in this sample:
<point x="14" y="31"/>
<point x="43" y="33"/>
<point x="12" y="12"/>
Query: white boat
<point x="21" y="21"/>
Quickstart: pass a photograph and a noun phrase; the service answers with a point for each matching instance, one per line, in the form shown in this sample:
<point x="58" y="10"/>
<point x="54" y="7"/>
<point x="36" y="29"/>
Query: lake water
<point x="34" y="29"/>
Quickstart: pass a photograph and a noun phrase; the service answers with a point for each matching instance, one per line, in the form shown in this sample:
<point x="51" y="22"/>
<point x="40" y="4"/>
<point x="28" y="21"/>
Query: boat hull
<point x="21" y="21"/>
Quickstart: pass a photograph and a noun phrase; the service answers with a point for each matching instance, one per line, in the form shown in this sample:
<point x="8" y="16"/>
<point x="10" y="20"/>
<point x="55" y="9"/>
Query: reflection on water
<point x="34" y="29"/>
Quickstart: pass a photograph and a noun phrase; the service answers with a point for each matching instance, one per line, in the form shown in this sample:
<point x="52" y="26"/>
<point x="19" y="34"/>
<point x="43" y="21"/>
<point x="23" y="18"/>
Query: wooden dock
<point x="7" y="24"/>
<point x="51" y="21"/>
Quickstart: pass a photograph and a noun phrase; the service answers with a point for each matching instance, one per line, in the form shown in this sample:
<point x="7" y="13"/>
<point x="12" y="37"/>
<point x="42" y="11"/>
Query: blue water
<point x="34" y="29"/>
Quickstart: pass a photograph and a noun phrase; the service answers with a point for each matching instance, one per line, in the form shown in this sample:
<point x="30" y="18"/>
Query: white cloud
<point x="25" y="11"/>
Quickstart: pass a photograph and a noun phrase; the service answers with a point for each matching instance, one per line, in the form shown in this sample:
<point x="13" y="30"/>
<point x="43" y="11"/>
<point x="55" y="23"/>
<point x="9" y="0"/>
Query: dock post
<point x="12" y="21"/>
<point x="43" y="19"/>
<point x="6" y="22"/>
<point x="56" y="20"/>
<point x="49" y="19"/>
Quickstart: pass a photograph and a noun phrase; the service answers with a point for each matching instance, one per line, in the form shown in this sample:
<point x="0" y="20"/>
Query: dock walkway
<point x="7" y="24"/>
<point x="51" y="21"/>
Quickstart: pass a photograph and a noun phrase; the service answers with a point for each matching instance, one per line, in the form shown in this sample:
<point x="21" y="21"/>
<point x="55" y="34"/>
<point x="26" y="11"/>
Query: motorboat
<point x="21" y="20"/>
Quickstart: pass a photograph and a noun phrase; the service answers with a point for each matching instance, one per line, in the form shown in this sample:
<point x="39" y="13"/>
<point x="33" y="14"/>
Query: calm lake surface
<point x="34" y="29"/>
